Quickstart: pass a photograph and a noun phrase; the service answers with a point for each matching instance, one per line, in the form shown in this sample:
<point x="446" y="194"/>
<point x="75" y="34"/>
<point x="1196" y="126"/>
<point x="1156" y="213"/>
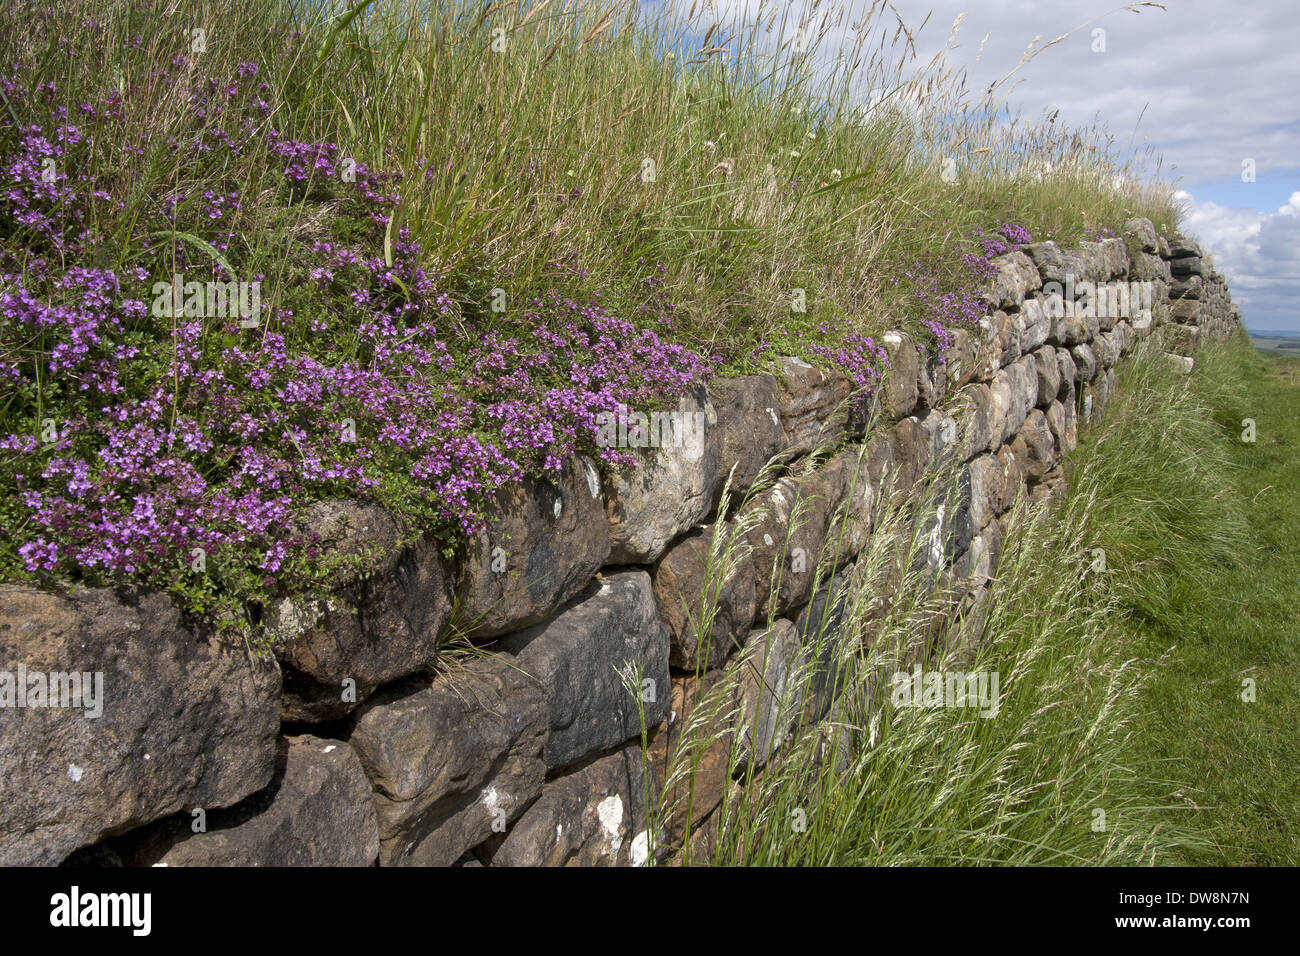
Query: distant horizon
<point x="1275" y="333"/>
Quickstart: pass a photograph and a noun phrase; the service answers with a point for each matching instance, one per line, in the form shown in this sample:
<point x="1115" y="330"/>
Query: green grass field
<point x="1235" y="762"/>
<point x="1125" y="625"/>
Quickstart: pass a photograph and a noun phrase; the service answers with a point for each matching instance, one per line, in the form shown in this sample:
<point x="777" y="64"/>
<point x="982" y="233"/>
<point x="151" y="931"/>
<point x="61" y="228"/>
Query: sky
<point x="1213" y="86"/>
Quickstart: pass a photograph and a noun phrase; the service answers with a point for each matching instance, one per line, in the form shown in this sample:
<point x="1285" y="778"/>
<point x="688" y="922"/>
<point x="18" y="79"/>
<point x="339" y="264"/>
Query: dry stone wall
<point x="356" y="745"/>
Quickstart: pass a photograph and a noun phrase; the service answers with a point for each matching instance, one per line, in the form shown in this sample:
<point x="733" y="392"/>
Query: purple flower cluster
<point x="136" y="436"/>
<point x="1007" y="238"/>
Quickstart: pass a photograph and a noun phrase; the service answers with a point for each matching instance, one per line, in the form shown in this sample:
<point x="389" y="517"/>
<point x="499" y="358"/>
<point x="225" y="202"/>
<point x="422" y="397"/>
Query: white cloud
<point x="1258" y="252"/>
<point x="1202" y="83"/>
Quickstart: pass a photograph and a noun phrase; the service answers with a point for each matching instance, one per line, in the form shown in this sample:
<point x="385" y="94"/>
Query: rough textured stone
<point x="1187" y="312"/>
<point x="901" y="379"/>
<point x="1012" y="477"/>
<point x="932" y="381"/>
<point x="1190" y="266"/>
<point x="1115" y="255"/>
<point x="318" y="811"/>
<point x="1085" y="361"/>
<point x="1095" y="268"/>
<point x="1035" y="325"/>
<point x="979" y="563"/>
<point x="681" y="580"/>
<point x="690" y="752"/>
<point x="748" y="433"/>
<point x="1064" y="266"/>
<point x="584" y="658"/>
<point x="1182" y="339"/>
<point x="813" y="409"/>
<point x="552" y="538"/>
<point x="449" y="761"/>
<point x="765" y="692"/>
<point x="911" y="444"/>
<point x="1049" y="375"/>
<point x="1105" y="387"/>
<point x="1125" y="336"/>
<point x="985" y="480"/>
<point x="595" y="816"/>
<point x="959" y="357"/>
<point x="1106" y="348"/>
<point x="1144" y="232"/>
<point x="382" y="619"/>
<point x="1017" y="276"/>
<point x="1074" y="328"/>
<point x="1009" y="333"/>
<point x="1148" y="267"/>
<point x="1047" y="257"/>
<point x="671" y="489"/>
<point x="1036" y="447"/>
<point x="820" y="628"/>
<point x="1061" y="426"/>
<point x="1015" y="392"/>
<point x="1187" y="287"/>
<point x="1180" y="247"/>
<point x="941" y="428"/>
<point x="850" y="526"/>
<point x="976" y="420"/>
<point x="1069" y="373"/>
<point x="788" y="537"/>
<point x="187" y="720"/>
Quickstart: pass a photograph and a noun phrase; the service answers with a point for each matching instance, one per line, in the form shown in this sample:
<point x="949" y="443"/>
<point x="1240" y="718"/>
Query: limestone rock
<point x="1086" y="362"/>
<point x="683" y="579"/>
<point x="1144" y="232"/>
<point x="814" y="406"/>
<point x="1015" y="392"/>
<point x="1037" y="448"/>
<point x="449" y="761"/>
<point x="544" y="542"/>
<point x="381" y="621"/>
<point x="1017" y="276"/>
<point x="749" y="431"/>
<point x="1035" y="325"/>
<point x="901" y="379"/>
<point x="820" y="627"/>
<point x="673" y="486"/>
<point x="185" y="720"/>
<point x="584" y="659"/>
<point x="788" y="539"/>
<point x="1049" y="375"/>
<point x="765" y="691"/>
<point x="318" y="811"/>
<point x="595" y="816"/>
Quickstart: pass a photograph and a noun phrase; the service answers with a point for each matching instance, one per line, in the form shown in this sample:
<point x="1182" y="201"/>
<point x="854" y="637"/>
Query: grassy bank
<point x="456" y="235"/>
<point x="1122" y="626"/>
<point x="1226" y="610"/>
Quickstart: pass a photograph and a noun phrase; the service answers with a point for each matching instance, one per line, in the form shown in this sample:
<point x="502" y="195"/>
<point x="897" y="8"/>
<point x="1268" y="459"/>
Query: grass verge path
<point x="1234" y="761"/>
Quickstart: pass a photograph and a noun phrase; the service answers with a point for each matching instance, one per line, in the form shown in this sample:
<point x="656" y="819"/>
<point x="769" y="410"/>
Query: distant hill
<point x="1274" y="340"/>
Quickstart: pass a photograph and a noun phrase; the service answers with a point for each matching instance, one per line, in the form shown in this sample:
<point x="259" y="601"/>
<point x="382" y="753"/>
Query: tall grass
<point x="1054" y="776"/>
<point x="554" y="207"/>
<point x="639" y="149"/>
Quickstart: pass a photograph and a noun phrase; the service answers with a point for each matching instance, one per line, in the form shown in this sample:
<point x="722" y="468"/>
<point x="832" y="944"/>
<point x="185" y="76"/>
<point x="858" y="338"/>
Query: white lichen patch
<point x="610" y="814"/>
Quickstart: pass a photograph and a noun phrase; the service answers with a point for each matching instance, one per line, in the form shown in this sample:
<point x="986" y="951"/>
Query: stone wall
<point x="357" y="745"/>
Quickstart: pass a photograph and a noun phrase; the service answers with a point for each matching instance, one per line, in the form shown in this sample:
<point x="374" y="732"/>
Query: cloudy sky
<point x="1215" y="83"/>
